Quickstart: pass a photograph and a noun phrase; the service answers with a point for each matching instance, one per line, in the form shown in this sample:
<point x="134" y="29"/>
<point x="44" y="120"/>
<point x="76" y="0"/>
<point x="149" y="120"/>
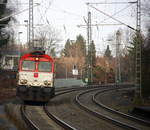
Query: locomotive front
<point x="36" y="77"/>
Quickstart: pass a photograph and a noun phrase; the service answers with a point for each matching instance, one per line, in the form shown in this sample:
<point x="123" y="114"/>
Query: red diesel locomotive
<point x="36" y="77"/>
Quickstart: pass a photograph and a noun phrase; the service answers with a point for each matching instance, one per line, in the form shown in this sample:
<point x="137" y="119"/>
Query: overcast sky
<point x="65" y="15"/>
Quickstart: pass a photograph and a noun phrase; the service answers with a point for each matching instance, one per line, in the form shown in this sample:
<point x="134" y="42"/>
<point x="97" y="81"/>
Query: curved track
<point x="104" y="114"/>
<point x="55" y="118"/>
<point x="58" y="121"/>
<point x="61" y="123"/>
<point x="64" y="125"/>
<point x="141" y="121"/>
<point x="28" y="122"/>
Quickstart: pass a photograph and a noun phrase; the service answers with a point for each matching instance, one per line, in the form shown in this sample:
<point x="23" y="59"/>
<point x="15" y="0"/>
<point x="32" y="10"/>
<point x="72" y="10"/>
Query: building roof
<point x="10" y="53"/>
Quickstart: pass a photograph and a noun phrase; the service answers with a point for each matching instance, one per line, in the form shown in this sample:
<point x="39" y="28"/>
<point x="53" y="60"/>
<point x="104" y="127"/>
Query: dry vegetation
<point x="7" y="85"/>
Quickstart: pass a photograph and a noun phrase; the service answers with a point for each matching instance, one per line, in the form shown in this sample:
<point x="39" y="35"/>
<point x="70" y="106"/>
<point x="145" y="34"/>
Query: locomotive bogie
<point x="35" y="93"/>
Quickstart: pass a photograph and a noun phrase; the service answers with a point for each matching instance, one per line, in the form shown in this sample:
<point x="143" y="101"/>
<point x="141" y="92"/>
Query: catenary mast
<point x="31" y="28"/>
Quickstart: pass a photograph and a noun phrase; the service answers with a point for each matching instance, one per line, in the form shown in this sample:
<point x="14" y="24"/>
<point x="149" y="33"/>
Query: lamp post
<point x="19" y="33"/>
<point x="19" y="52"/>
<point x="19" y="36"/>
<point x="27" y="25"/>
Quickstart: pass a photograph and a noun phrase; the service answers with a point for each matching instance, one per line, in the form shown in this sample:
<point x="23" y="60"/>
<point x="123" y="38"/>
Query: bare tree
<point x="146" y="7"/>
<point x="47" y="38"/>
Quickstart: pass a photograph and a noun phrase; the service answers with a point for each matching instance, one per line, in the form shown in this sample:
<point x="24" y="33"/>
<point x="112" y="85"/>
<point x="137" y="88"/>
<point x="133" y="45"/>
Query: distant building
<point x="147" y="44"/>
<point x="9" y="60"/>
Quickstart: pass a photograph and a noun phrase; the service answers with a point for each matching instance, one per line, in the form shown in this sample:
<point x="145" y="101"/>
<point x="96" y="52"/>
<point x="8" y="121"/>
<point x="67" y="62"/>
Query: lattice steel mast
<point x="31" y="27"/>
<point x="138" y="50"/>
<point x="138" y="44"/>
<point x="89" y="42"/>
<point x="118" y="71"/>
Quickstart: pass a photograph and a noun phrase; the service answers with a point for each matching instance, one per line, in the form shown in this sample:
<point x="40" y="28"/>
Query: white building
<point x="10" y="60"/>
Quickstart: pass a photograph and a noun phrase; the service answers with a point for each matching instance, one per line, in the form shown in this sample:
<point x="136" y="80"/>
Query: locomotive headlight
<point x="23" y="81"/>
<point x="47" y="82"/>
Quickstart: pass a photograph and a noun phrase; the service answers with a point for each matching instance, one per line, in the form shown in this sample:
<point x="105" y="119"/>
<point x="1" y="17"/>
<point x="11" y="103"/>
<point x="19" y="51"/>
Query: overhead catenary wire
<point x="44" y="10"/>
<point x="44" y="18"/>
<point x="117" y="12"/>
<point x="121" y="10"/>
<point x="20" y="24"/>
<point x="41" y="16"/>
<point x="109" y="18"/>
<point x="49" y="4"/>
<point x="17" y="13"/>
<point x="66" y="12"/>
<point x="96" y="3"/>
<point x="112" y="17"/>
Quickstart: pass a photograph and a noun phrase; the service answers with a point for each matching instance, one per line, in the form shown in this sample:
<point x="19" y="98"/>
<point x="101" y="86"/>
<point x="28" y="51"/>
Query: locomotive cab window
<point x="45" y="66"/>
<point x="28" y="65"/>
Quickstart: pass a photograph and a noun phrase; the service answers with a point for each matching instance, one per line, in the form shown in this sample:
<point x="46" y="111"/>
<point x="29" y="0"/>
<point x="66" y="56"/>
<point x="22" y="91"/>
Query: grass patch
<point x="13" y="114"/>
<point x="138" y="100"/>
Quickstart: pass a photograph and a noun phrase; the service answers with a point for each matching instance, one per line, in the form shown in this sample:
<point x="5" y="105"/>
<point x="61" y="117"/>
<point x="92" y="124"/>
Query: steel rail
<point x="64" y="91"/>
<point x="55" y="118"/>
<point x="33" y="126"/>
<point x="28" y="122"/>
<point x="118" y="112"/>
<point x="67" y="90"/>
<point x="58" y="121"/>
<point x="100" y="115"/>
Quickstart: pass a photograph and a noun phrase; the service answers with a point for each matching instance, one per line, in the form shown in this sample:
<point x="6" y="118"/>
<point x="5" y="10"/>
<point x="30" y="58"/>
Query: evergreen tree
<point x="53" y="52"/>
<point x="90" y="63"/>
<point x="92" y="54"/>
<point x="108" y="52"/>
<point x="146" y="67"/>
<point x="82" y="44"/>
<point x="132" y="56"/>
<point x="75" y="48"/>
<point x="67" y="48"/>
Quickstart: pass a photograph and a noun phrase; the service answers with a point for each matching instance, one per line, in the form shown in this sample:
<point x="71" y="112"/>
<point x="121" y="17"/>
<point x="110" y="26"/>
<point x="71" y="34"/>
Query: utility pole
<point x="31" y="28"/>
<point x="118" y="71"/>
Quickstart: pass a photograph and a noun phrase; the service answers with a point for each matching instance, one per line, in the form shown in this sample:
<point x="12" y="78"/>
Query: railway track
<point x="58" y="120"/>
<point x="33" y="126"/>
<point x="70" y="113"/>
<point x="141" y="121"/>
<point x="63" y="125"/>
<point x="55" y="118"/>
<point x="108" y="115"/>
<point x="28" y="122"/>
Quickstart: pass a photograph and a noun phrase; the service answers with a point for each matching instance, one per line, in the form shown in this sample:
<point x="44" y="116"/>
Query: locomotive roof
<point x="37" y="54"/>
